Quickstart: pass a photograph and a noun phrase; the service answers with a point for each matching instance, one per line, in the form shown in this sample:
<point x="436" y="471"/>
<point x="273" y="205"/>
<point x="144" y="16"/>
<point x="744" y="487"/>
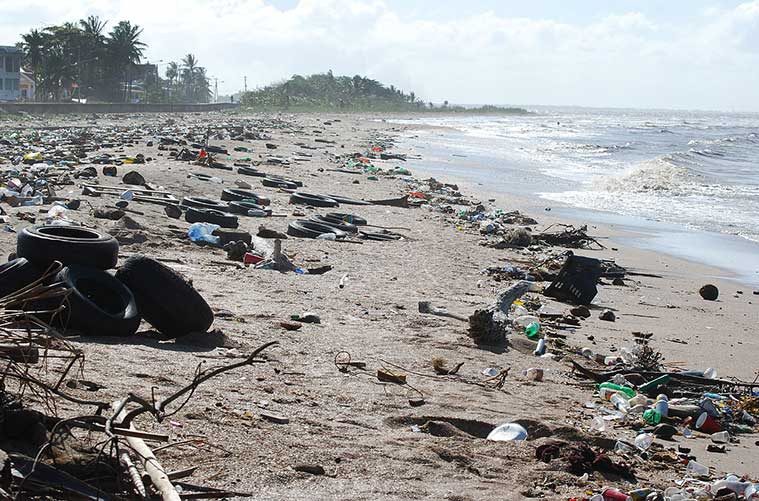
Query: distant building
<point x="26" y="86"/>
<point x="10" y="73"/>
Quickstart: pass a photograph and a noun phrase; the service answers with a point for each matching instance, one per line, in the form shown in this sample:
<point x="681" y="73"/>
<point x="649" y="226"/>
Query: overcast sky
<point x="625" y="53"/>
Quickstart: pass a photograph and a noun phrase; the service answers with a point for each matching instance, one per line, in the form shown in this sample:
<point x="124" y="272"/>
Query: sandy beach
<point x="364" y="433"/>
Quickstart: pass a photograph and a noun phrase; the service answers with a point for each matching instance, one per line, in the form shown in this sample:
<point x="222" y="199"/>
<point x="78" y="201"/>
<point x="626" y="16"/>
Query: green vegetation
<point x="79" y="61"/>
<point x="326" y="92"/>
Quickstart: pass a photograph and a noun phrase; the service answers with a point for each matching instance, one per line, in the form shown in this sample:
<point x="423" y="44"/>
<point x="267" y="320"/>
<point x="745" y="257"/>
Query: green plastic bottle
<point x="626" y="390"/>
<point x="532" y="330"/>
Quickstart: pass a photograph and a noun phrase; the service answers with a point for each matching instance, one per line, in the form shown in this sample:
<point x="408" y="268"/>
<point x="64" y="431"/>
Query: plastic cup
<point x="721" y="437"/>
<point x="696" y="469"/>
<point x="707" y="424"/>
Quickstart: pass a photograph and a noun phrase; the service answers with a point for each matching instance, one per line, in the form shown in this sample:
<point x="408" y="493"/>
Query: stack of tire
<point x="101" y="303"/>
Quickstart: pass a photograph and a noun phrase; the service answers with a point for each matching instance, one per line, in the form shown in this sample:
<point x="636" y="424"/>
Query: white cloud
<point x="626" y="59"/>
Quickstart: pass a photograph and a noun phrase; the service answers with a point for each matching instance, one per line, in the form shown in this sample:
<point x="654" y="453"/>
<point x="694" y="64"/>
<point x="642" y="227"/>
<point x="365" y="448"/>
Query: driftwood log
<point x="489" y="326"/>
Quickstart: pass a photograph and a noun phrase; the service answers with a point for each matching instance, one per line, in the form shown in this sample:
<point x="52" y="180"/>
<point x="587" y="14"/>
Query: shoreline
<point x="740" y="264"/>
<point x="374" y="440"/>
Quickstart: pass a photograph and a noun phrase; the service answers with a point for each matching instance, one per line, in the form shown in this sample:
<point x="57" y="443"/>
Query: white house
<point x="26" y="86"/>
<point x="10" y="73"/>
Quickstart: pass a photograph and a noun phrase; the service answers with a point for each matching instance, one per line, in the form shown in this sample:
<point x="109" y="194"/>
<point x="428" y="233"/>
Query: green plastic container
<point x="532" y="330"/>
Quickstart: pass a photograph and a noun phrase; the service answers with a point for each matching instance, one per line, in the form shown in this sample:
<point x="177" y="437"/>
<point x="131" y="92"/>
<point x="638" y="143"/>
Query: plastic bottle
<point x="639" y="399"/>
<point x="532" y="330"/>
<point x="523" y="321"/>
<point x="629" y="392"/>
<point x="736" y="486"/>
<point x="644" y="441"/>
<point x="662" y="405"/>
<point x="710" y="373"/>
<point x="541" y="348"/>
<point x="696" y="469"/>
<point x="620" y="402"/>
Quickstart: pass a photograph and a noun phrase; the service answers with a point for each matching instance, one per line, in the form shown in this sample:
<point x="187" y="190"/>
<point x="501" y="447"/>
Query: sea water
<point x="688" y="178"/>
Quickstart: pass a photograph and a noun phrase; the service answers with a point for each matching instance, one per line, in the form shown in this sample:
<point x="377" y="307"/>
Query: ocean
<point x="680" y="177"/>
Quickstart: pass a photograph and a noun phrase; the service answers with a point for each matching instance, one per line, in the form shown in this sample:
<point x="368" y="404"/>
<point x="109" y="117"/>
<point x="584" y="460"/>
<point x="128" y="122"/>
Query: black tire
<point x="164" y="298"/>
<point x="243" y="207"/>
<point x="203" y="203"/>
<point x="313" y="200"/>
<point x="236" y="195"/>
<point x="348" y="218"/>
<point x="278" y="183"/>
<point x="98" y="304"/>
<point x="381" y="237"/>
<point x="298" y="184"/>
<point x="335" y="223"/>
<point x="17" y="274"/>
<point x="348" y="201"/>
<point x="193" y="215"/>
<point x="310" y="229"/>
<point x="250" y="171"/>
<point x="42" y="245"/>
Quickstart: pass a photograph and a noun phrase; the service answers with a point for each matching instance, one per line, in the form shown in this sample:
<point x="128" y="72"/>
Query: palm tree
<point x="172" y="72"/>
<point x="124" y="50"/>
<point x="90" y="67"/>
<point x="189" y="74"/>
<point x="33" y="46"/>
<point x="202" y="89"/>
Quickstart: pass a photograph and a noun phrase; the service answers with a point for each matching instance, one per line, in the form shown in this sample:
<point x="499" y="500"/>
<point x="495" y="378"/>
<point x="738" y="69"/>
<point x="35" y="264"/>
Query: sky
<point x="676" y="54"/>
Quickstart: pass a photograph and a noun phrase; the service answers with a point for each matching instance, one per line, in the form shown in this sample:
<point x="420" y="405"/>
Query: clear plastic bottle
<point x="523" y="321"/>
<point x="736" y="486"/>
<point x="620" y="402"/>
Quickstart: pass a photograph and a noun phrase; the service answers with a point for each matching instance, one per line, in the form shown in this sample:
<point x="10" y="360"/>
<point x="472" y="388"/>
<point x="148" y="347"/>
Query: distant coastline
<point x="327" y="93"/>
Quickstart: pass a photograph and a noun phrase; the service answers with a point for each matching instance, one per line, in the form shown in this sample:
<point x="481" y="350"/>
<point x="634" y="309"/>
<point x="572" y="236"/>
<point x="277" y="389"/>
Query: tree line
<point x="324" y="91"/>
<point x="82" y="60"/>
